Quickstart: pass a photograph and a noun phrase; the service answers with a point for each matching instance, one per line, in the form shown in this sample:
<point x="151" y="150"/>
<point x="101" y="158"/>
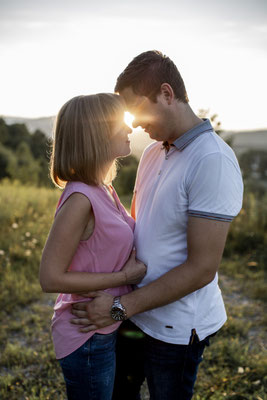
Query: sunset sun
<point x="128" y="118"/>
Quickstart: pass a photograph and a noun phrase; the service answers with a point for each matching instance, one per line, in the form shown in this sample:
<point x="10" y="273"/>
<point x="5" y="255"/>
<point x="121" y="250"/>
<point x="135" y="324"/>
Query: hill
<point x="247" y="140"/>
<point x="44" y="124"/>
<point x="241" y="141"/>
<point x="139" y="138"/>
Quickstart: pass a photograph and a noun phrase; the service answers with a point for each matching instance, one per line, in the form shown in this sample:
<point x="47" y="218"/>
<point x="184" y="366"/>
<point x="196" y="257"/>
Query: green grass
<point x="250" y="275"/>
<point x="234" y="366"/>
<point x="26" y="214"/>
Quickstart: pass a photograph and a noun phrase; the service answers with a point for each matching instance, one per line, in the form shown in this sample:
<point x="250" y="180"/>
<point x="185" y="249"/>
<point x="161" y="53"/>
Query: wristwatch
<point x="118" y="311"/>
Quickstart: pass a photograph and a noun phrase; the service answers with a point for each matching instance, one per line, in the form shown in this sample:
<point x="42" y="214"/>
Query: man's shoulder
<point x="150" y="150"/>
<point x="211" y="143"/>
<point x="152" y="146"/>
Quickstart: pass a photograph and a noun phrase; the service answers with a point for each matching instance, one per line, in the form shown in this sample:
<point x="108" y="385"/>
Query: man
<point x="188" y="189"/>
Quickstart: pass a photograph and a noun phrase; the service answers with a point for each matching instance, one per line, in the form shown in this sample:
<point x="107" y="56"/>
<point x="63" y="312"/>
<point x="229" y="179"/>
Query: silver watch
<point x="118" y="311"/>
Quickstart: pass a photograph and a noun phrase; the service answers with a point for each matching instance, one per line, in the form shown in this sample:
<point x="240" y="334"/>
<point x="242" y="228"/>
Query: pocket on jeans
<point x="77" y="357"/>
<point x="104" y="343"/>
<point x="105" y="337"/>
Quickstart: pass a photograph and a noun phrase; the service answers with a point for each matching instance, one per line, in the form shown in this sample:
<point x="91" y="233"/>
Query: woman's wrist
<point x="122" y="278"/>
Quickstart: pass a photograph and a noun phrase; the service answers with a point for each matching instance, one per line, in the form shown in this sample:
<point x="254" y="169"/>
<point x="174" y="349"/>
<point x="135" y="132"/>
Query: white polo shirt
<point x="199" y="176"/>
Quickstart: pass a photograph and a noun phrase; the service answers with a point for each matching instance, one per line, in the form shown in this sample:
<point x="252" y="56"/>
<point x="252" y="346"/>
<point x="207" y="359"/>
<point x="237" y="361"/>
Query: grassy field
<point x="234" y="366"/>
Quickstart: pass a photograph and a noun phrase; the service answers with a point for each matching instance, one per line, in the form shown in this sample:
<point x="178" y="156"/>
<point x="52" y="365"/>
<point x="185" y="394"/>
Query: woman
<point x="90" y="243"/>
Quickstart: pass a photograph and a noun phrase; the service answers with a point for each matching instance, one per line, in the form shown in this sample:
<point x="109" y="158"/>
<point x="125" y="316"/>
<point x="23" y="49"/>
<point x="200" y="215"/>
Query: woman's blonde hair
<point x="81" y="147"/>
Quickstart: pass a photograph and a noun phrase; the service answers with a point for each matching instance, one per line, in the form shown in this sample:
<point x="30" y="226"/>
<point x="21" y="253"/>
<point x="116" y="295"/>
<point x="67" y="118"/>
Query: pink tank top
<point x="107" y="250"/>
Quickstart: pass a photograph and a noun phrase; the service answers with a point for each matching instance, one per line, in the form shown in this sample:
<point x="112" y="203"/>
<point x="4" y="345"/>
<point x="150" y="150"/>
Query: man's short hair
<point x="146" y="73"/>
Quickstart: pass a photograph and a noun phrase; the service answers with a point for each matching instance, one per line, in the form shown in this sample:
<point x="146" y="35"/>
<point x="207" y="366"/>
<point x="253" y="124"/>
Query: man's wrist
<point x="129" y="304"/>
<point x="118" y="311"/>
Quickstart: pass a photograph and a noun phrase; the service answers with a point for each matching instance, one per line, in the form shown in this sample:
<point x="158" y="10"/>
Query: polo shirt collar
<point x="183" y="141"/>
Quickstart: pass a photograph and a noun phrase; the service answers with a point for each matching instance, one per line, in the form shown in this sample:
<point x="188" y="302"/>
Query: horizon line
<point x="54" y="116"/>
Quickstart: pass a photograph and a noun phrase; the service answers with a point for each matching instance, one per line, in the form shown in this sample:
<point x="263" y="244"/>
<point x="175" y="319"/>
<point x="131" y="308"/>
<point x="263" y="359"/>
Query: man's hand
<point x="94" y="314"/>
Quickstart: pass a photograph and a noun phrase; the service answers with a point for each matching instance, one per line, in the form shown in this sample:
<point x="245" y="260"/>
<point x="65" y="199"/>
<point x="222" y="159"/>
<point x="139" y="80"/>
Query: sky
<point x="53" y="50"/>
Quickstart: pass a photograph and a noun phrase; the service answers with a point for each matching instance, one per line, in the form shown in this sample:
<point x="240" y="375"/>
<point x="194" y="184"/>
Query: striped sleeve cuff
<point x="208" y="215"/>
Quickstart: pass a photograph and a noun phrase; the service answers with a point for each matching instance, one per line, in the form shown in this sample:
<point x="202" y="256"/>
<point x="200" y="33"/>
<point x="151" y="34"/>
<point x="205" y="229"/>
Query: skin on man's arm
<point x="205" y="241"/>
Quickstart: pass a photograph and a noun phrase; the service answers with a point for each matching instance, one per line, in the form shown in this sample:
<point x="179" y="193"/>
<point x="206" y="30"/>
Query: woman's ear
<point x="167" y="92"/>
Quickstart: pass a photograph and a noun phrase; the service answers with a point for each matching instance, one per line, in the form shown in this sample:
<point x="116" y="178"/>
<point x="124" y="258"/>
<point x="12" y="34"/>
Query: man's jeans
<point x="89" y="371"/>
<point x="170" y="369"/>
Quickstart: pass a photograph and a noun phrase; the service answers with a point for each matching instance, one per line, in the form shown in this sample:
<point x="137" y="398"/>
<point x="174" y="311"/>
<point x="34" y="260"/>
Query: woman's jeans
<point x="89" y="371"/>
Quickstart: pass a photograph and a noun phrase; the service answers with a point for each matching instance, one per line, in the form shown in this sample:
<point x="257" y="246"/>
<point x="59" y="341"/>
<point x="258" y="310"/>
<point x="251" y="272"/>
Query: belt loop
<point x="193" y="334"/>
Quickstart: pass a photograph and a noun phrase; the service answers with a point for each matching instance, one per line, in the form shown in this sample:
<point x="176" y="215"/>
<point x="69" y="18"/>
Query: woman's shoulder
<point x="78" y="190"/>
<point x="81" y="187"/>
<point x="74" y="185"/>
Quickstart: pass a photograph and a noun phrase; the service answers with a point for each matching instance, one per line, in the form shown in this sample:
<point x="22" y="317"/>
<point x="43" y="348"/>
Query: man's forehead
<point x="131" y="99"/>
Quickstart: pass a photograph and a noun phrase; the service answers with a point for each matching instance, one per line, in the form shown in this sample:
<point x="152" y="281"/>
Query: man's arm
<point x="205" y="241"/>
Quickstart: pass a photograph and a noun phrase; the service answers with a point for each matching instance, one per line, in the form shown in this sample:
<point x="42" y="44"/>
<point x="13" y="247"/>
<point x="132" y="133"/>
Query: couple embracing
<point x="139" y="295"/>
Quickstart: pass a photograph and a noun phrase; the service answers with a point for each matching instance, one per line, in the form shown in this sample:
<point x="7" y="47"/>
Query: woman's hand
<point x="134" y="270"/>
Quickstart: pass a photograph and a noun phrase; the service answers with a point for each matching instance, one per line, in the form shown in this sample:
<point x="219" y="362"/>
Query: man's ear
<point x="167" y="92"/>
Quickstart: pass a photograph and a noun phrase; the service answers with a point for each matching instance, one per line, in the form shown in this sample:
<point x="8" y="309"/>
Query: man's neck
<point x="184" y="120"/>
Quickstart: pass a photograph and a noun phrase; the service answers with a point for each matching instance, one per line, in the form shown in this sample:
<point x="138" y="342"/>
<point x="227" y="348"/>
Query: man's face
<point x="154" y="118"/>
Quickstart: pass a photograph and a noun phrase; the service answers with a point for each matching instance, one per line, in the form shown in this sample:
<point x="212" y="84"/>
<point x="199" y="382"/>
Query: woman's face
<point x="120" y="143"/>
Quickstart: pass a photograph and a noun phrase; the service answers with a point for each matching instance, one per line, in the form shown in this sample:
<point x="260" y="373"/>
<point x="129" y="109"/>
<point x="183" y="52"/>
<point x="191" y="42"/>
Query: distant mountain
<point x="139" y="139"/>
<point x="241" y="141"/>
<point x="44" y="124"/>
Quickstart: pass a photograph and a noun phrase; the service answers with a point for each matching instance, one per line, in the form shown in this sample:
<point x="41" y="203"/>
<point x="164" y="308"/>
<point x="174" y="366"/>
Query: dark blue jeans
<point x="89" y="371"/>
<point x="170" y="369"/>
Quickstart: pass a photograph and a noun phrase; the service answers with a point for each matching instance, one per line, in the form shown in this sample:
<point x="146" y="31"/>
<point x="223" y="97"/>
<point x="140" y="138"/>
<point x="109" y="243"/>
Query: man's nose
<point x="129" y="130"/>
<point x="136" y="122"/>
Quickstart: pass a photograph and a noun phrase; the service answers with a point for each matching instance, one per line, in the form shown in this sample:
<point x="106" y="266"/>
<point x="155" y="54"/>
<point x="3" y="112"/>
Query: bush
<point x="7" y="158"/>
<point x="248" y="232"/>
<point x="124" y="182"/>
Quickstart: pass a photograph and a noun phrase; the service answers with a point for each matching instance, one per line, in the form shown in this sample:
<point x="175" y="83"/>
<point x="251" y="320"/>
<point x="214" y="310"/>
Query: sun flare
<point x="128" y="119"/>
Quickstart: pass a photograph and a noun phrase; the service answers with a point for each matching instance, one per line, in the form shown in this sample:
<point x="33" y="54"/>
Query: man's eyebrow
<point x="135" y="103"/>
<point x="131" y="103"/>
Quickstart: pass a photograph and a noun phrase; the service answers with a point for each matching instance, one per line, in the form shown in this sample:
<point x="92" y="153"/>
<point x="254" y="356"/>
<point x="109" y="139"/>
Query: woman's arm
<point x="60" y="247"/>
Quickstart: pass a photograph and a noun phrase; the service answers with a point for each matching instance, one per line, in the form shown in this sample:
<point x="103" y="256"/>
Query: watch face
<point x="117" y="314"/>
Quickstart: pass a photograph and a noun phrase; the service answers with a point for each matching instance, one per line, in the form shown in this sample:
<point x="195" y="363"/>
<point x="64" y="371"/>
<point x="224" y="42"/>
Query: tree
<point x="24" y="167"/>
<point x="44" y="176"/>
<point x="17" y="133"/>
<point x="7" y="158"/>
<point x="124" y="183"/>
<point x="40" y="147"/>
<point x="39" y="144"/>
<point x="216" y="124"/>
<point x="3" y="131"/>
<point x="253" y="164"/>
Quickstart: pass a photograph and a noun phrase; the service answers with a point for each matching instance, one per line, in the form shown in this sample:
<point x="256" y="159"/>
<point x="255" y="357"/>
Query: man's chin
<point x="150" y="134"/>
<point x="154" y="137"/>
